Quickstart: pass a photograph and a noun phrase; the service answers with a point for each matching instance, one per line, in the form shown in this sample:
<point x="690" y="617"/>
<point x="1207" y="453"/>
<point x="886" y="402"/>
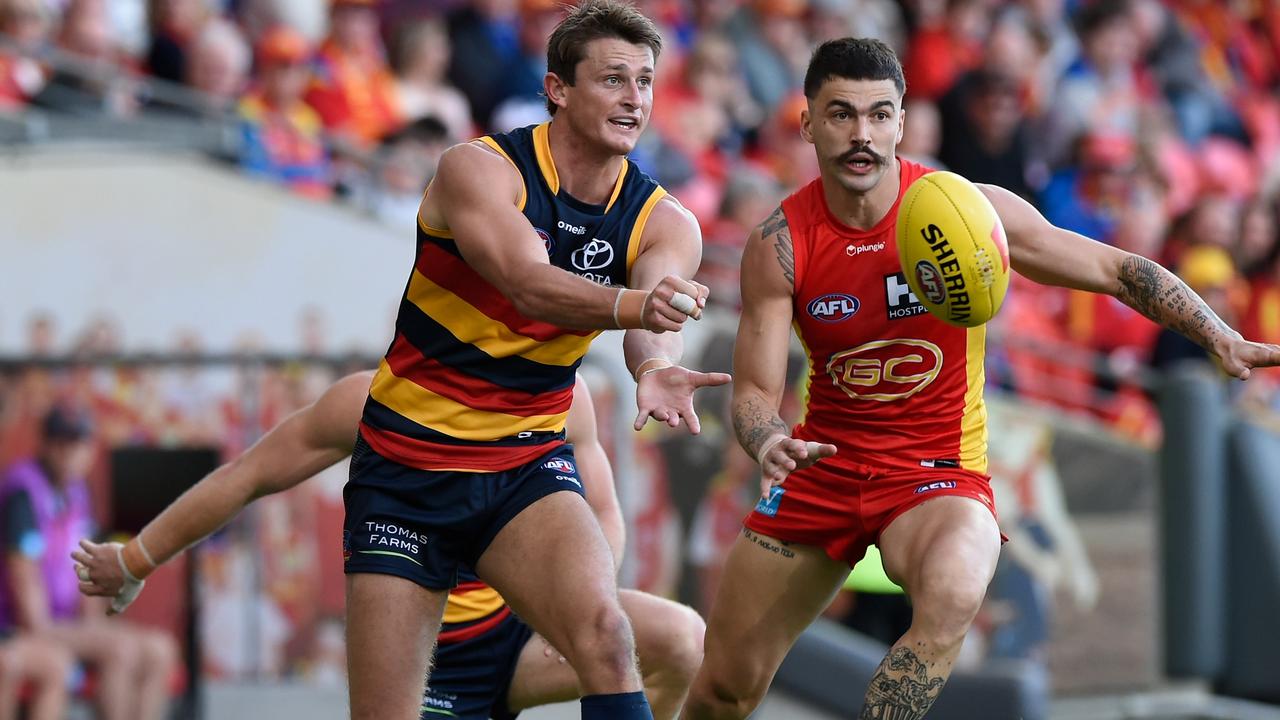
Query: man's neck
<point x="863" y="211"/>
<point x="585" y="173"/>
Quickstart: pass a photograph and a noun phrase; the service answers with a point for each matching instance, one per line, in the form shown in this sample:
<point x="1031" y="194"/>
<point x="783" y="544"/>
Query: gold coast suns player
<point x="529" y="244"/>
<point x="895" y="413"/>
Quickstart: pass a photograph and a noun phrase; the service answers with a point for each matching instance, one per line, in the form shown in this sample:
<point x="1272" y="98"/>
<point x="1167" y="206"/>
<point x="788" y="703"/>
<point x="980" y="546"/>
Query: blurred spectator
<point x="39" y="665"/>
<point x="282" y="139"/>
<point x="174" y="26"/>
<point x="45" y="506"/>
<point x="1088" y="199"/>
<point x="98" y="84"/>
<point x="1213" y="220"/>
<point x="773" y="48"/>
<point x="484" y="35"/>
<point x="749" y="196"/>
<point x="880" y="19"/>
<point x="921" y="133"/>
<point x="26" y="22"/>
<point x="1256" y="245"/>
<point x="407" y="162"/>
<point x="1056" y="44"/>
<point x="782" y="151"/>
<point x="985" y="136"/>
<point x="947" y="42"/>
<point x="1101" y="92"/>
<point x="351" y="86"/>
<point x="712" y="73"/>
<point x="217" y="66"/>
<point x="422" y="57"/>
<point x="538" y="18"/>
<point x="1177" y="66"/>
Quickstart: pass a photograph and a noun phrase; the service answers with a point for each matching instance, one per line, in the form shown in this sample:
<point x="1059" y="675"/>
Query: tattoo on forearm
<point x="776" y="225"/>
<point x="754" y="421"/>
<point x="902" y="688"/>
<point x="781" y="548"/>
<point x="1161" y="296"/>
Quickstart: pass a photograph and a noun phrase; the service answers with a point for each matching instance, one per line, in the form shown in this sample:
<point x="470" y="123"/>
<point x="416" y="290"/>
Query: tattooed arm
<point x="760" y="354"/>
<point x="1053" y="256"/>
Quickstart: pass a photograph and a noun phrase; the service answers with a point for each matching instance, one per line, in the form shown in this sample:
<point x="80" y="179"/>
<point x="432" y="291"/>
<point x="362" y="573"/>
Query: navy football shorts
<point x="470" y="678"/>
<point x="421" y="524"/>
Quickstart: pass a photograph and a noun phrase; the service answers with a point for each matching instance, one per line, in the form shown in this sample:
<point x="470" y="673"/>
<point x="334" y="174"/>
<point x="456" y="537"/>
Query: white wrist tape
<point x="768" y="445"/>
<point x="617" y="302"/>
<point x="129" y="590"/>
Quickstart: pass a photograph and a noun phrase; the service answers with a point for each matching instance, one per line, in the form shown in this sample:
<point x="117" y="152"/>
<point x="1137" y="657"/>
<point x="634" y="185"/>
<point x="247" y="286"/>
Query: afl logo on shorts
<point x="931" y="282"/>
<point x="594" y="255"/>
<point x="546" y="240"/>
<point x="834" y="307"/>
<point x="559" y="465"/>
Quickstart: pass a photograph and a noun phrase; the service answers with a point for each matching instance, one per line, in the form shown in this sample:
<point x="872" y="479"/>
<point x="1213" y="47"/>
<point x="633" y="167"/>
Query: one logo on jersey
<point x="856" y="250"/>
<point x="940" y="485"/>
<point x="568" y="227"/>
<point x="834" y="307"/>
<point x="594" y="255"/>
<point x="931" y="282"/>
<point x="901" y="302"/>
<point x="559" y="465"/>
<point x="769" y="506"/>
<point x="547" y="241"/>
<point x="886" y="370"/>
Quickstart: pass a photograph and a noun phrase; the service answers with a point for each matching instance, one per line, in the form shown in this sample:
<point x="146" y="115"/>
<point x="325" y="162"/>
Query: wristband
<point x="768" y="445"/>
<point x="628" y="309"/>
<point x="641" y="372"/>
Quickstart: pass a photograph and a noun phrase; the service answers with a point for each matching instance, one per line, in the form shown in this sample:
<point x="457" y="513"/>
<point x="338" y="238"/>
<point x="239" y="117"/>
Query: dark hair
<point x="1100" y="14"/>
<point x="853" y="59"/>
<point x="593" y="20"/>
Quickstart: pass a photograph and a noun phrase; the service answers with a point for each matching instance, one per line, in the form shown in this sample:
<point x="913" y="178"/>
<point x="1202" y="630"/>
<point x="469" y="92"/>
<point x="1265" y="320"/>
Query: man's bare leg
<point x="668" y="641"/>
<point x="552" y="565"/>
<point x="769" y="594"/>
<point x="392" y="625"/>
<point x="943" y="553"/>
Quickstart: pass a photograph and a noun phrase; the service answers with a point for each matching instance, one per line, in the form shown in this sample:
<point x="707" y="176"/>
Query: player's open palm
<point x="1240" y="356"/>
<point x="666" y="395"/>
<point x="783" y="455"/>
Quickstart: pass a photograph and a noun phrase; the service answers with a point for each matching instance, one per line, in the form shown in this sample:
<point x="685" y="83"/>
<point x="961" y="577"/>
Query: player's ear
<point x="806" y="126"/>
<point x="902" y="121"/>
<point x="555" y="89"/>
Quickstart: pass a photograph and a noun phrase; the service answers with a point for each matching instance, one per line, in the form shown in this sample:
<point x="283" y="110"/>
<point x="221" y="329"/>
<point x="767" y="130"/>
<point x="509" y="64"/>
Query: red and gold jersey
<point x="889" y="384"/>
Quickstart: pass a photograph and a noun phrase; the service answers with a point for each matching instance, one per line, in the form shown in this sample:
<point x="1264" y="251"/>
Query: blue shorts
<point x="421" y="524"/>
<point x="470" y="678"/>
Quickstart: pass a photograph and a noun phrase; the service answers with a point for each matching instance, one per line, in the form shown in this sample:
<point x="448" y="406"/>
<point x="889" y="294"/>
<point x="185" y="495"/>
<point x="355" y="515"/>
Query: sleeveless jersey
<point x="889" y="384"/>
<point x="470" y="384"/>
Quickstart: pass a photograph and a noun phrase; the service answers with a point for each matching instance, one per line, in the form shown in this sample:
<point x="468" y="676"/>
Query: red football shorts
<point x="844" y="509"/>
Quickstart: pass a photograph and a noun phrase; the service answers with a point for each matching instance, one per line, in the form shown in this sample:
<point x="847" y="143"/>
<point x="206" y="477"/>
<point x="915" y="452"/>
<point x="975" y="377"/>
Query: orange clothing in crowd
<point x="285" y="146"/>
<point x="353" y="95"/>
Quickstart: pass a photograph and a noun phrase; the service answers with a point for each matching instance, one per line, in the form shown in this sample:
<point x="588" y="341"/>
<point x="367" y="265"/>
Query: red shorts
<point x="844" y="509"/>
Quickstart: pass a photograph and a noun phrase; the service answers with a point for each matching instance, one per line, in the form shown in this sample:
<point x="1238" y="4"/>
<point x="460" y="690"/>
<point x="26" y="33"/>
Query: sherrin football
<point x="953" y="249"/>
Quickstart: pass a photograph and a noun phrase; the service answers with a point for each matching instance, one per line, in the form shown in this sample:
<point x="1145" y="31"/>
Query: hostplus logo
<point x="901" y="302"/>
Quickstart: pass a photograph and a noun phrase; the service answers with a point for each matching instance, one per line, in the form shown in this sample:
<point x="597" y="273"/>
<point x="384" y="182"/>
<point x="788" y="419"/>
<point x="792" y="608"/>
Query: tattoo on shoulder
<point x="776" y="225"/>
<point x="1161" y="296"/>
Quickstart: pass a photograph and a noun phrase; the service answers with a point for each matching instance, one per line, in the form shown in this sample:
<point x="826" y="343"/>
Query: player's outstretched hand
<point x="672" y="302"/>
<point x="1240" y="356"/>
<point x="101" y="571"/>
<point x="666" y="395"/>
<point x="782" y="455"/>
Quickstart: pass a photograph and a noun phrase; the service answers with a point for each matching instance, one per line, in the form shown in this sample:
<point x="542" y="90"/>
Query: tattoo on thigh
<point x="780" y="549"/>
<point x="902" y="688"/>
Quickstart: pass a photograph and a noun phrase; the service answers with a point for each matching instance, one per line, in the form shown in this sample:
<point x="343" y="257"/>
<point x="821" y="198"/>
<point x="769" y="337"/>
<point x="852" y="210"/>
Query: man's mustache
<point x="876" y="157"/>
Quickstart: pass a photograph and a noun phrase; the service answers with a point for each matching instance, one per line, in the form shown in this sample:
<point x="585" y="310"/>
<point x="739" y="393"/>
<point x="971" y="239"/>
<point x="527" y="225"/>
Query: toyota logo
<point x="594" y="255"/>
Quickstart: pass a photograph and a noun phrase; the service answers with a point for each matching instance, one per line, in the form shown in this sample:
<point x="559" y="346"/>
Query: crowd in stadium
<point x="1148" y="124"/>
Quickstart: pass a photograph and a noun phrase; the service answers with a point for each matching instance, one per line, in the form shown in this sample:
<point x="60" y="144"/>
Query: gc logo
<point x="886" y="370"/>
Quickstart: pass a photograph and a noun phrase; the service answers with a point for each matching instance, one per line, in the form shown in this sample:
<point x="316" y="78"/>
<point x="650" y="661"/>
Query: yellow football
<point x="953" y="249"/>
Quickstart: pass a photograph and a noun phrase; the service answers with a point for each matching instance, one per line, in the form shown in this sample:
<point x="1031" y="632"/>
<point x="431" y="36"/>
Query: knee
<point x="944" y="610"/>
<point x="55" y="666"/>
<point x="605" y="635"/>
<point x="717" y="696"/>
<point x="159" y="652"/>
<point x="678" y="646"/>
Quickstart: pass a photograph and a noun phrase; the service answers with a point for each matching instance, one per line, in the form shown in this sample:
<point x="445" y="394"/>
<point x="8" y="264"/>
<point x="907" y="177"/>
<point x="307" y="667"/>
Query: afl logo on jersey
<point x="594" y="255"/>
<point x="546" y="240"/>
<point x="834" y="307"/>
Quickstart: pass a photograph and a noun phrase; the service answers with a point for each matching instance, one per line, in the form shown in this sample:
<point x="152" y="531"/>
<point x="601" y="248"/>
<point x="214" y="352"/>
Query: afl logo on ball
<point x="834" y="307"/>
<point x="546" y="240"/>
<point x="931" y="282"/>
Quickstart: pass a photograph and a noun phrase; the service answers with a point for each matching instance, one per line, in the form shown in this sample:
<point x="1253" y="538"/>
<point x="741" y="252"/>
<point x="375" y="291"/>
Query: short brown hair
<point x="593" y="20"/>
